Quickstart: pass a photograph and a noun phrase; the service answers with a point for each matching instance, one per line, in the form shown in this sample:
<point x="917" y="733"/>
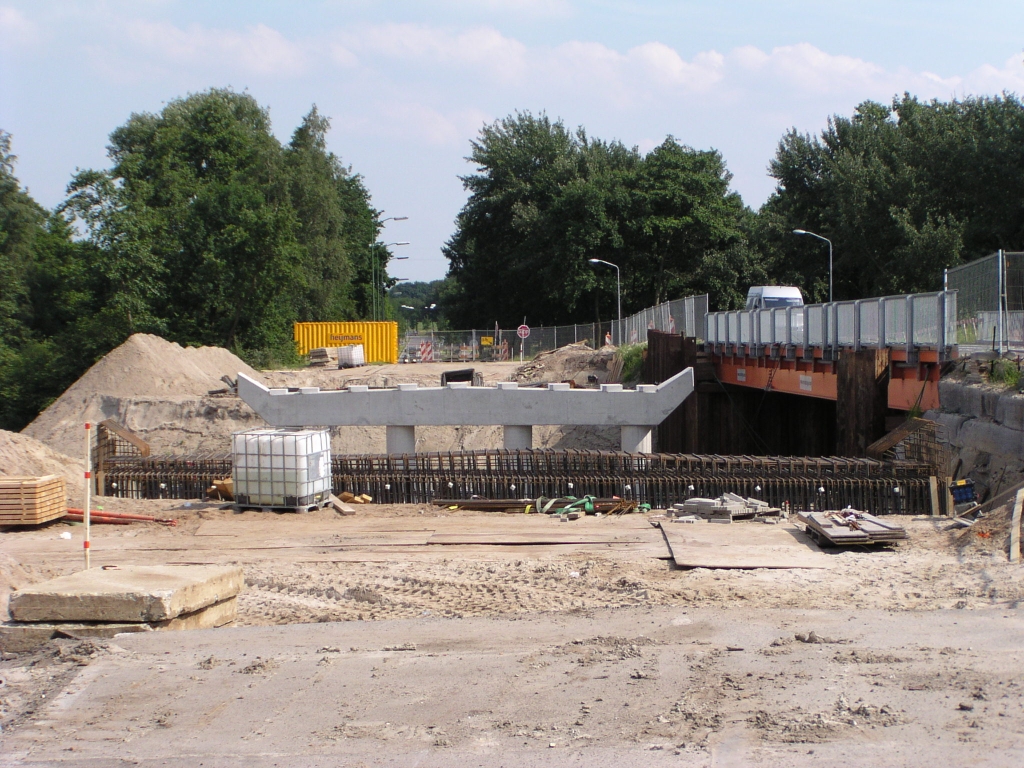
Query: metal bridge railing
<point x="913" y="321"/>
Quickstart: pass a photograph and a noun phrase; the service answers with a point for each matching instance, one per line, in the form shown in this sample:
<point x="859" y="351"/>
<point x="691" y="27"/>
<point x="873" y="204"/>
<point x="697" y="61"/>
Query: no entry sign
<point x="523" y="331"/>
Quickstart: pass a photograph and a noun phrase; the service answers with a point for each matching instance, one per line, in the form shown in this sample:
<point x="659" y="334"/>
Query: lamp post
<point x="373" y="263"/>
<point x="373" y="256"/>
<point x="618" y="294"/>
<point x="812" y="234"/>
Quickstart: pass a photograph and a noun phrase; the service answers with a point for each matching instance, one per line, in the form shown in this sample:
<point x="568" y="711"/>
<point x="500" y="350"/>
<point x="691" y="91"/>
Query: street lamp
<point x="812" y="234"/>
<point x="618" y="293"/>
<point x="373" y="257"/>
<point x="373" y="263"/>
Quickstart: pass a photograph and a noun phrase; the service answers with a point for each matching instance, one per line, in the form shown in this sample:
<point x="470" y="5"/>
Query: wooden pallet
<point x="32" y="500"/>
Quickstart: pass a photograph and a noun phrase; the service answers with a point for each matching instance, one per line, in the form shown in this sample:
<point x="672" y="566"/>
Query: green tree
<point x="336" y="225"/>
<point x="544" y="201"/>
<point x="902" y="191"/>
<point x="214" y="233"/>
<point x="686" y="226"/>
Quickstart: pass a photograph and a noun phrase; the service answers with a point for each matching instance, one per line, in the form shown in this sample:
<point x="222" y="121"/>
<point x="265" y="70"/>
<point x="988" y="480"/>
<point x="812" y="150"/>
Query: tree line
<point x="902" y="191"/>
<point x="208" y="230"/>
<point x="204" y="230"/>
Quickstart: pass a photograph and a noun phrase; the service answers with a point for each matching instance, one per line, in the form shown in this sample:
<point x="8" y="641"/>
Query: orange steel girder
<point x="909" y="384"/>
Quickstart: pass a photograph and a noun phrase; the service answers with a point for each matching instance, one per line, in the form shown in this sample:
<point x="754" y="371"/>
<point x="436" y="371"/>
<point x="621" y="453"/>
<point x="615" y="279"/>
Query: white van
<point x="774" y="296"/>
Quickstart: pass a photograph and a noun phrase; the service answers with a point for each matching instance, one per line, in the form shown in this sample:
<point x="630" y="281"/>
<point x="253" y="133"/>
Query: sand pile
<point x="154" y="387"/>
<point x="23" y="455"/>
<point x="574" y="362"/>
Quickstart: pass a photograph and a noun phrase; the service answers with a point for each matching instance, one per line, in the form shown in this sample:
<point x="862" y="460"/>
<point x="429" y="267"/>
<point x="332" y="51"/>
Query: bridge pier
<point x="517" y="437"/>
<point x="400" y="439"/>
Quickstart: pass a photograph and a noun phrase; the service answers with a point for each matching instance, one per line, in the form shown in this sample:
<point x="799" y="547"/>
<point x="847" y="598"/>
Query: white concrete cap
<point x="460" y="403"/>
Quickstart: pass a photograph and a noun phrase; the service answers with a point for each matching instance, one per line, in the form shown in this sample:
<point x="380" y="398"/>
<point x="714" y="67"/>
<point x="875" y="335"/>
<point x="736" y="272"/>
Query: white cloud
<point x="258" y="49"/>
<point x="16" y="31"/>
<point x="666" y="67"/>
<point x="482" y="48"/>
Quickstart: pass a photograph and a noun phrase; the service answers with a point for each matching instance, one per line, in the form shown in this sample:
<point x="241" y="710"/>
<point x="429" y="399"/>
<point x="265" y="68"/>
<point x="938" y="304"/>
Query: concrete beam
<point x="460" y="404"/>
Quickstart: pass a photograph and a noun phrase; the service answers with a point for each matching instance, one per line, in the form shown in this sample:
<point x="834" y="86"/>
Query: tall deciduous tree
<point x="902" y="191"/>
<point x="544" y="201"/>
<point x="214" y="233"/>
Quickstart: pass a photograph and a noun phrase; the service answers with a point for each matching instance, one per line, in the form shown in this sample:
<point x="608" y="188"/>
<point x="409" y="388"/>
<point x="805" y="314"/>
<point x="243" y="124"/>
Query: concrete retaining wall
<point x="985" y="426"/>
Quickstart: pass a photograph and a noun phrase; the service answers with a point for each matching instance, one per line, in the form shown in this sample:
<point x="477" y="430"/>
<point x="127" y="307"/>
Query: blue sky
<point x="409" y="84"/>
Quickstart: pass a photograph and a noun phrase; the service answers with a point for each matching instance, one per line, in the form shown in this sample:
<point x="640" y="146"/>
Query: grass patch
<point x="632" y="356"/>
<point x="1005" y="373"/>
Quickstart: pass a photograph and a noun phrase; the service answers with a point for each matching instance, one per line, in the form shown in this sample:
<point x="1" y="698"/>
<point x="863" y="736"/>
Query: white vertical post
<point x="1001" y="319"/>
<point x="88" y="489"/>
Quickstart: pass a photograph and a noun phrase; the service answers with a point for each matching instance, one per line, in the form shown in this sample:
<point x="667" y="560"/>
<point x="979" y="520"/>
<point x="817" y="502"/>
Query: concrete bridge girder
<point x="517" y="409"/>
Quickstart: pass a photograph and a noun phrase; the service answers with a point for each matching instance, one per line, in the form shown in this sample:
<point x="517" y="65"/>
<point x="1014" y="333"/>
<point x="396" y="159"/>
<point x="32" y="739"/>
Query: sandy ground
<point x="583" y="635"/>
<point x="641" y="686"/>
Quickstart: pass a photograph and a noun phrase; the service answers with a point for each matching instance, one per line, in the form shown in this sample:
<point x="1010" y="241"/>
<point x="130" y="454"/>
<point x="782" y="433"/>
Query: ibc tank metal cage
<point x="281" y="468"/>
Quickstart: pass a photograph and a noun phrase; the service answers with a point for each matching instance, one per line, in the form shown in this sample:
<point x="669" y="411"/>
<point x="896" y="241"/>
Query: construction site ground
<point x="431" y="637"/>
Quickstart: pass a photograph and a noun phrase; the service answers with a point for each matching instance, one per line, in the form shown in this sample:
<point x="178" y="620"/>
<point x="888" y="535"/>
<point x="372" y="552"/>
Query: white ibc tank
<point x="351" y="356"/>
<point x="281" y="467"/>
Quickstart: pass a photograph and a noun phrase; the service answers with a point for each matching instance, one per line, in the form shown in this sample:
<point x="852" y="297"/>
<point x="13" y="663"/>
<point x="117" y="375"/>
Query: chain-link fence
<point x="990" y="301"/>
<point x="685" y="316"/>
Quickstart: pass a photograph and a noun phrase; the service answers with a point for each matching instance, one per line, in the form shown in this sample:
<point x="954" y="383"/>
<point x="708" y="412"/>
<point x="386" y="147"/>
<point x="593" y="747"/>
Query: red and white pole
<point x="88" y="487"/>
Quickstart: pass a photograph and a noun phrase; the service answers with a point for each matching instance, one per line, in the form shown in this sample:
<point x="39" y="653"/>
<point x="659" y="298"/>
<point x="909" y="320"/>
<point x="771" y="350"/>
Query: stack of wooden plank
<point x="32" y="500"/>
<point x="851" y="526"/>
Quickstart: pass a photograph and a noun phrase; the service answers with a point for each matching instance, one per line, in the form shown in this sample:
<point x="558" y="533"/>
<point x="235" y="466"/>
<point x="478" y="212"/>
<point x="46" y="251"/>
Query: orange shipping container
<point x="379" y="339"/>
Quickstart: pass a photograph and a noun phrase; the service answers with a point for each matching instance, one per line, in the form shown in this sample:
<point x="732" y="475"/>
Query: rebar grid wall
<point x="990" y="301"/>
<point x="882" y="487"/>
<point x="684" y="316"/>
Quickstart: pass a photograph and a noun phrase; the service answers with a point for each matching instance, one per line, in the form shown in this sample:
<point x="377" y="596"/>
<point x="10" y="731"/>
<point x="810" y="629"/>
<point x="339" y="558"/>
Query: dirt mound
<point x="23" y="455"/>
<point x="145" y="367"/>
<point x="573" y="362"/>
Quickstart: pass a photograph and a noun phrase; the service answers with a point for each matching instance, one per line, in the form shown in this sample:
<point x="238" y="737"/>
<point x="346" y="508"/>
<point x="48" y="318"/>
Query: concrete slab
<point x="128" y="594"/>
<point x="743" y="546"/>
<point x="18" y="637"/>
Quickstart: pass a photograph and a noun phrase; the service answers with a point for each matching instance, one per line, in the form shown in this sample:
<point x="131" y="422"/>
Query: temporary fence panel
<point x="990" y="300"/>
<point x="379" y="339"/>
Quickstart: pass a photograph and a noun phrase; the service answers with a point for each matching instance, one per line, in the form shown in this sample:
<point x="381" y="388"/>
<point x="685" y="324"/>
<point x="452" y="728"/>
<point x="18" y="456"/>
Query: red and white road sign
<point x="426" y="352"/>
<point x="523" y="331"/>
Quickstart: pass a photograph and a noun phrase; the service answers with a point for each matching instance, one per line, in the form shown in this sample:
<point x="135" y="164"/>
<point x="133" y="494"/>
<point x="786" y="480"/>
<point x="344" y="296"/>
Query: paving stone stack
<point x="725" y="509"/>
<point x="103" y="602"/>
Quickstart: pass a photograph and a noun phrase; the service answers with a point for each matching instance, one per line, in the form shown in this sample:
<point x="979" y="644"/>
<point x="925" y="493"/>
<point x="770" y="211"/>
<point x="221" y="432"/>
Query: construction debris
<point x="568" y="506"/>
<point x="725" y="509"/>
<point x="351" y="498"/>
<point x="851" y="526"/>
<point x="221" y="490"/>
<point x="339" y="506"/>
